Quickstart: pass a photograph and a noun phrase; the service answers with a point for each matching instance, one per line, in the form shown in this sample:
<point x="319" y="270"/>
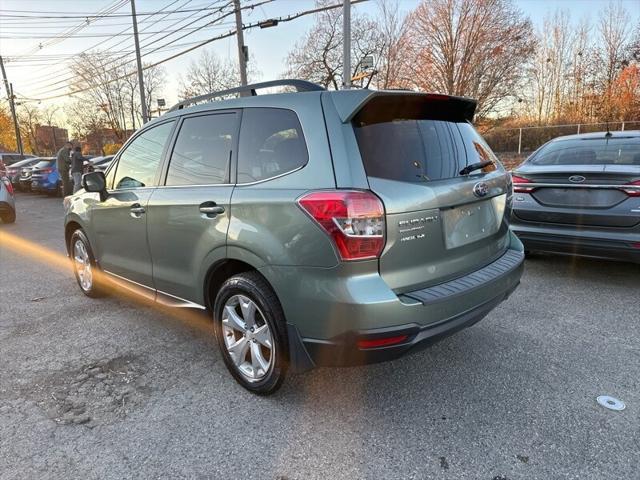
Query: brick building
<point x="94" y="142"/>
<point x="50" y="138"/>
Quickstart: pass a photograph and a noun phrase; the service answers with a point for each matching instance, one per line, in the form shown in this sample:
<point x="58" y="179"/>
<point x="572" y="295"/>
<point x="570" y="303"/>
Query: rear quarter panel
<point x="267" y="226"/>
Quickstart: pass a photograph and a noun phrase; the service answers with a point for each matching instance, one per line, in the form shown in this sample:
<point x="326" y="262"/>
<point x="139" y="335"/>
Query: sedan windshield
<point x="590" y="151"/>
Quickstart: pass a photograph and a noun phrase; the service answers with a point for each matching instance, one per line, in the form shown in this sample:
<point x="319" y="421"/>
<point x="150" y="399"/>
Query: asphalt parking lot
<point x="111" y="388"/>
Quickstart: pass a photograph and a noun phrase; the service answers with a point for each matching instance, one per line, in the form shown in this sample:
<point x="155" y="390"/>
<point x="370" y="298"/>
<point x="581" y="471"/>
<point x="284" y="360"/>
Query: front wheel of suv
<point x="250" y="329"/>
<point x="84" y="264"/>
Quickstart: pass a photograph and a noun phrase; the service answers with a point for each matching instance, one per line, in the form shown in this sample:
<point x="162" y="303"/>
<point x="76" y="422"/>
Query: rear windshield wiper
<point x="475" y="166"/>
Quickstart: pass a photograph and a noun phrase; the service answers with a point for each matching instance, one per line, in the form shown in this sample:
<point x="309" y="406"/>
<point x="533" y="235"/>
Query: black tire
<point x="94" y="290"/>
<point x="254" y="287"/>
<point x="9" y="216"/>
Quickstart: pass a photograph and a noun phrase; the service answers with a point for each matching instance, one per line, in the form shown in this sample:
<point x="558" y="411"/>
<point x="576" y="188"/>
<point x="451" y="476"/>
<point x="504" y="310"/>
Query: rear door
<point x="188" y="216"/>
<point x="441" y="224"/>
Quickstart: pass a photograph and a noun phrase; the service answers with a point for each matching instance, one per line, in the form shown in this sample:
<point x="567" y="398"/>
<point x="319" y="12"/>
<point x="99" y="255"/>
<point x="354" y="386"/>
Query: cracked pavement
<point x="111" y="388"/>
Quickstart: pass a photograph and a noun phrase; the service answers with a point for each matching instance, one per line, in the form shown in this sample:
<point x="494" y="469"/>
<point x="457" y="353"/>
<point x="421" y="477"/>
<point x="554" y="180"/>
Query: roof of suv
<point x="347" y="102"/>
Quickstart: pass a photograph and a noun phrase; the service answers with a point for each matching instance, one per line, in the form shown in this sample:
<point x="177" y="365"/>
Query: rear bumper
<point x="425" y="317"/>
<point x="616" y="245"/>
<point x="344" y="351"/>
<point x="40" y="185"/>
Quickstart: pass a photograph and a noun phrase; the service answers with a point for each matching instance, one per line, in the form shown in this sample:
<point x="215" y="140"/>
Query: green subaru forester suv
<point x="317" y="227"/>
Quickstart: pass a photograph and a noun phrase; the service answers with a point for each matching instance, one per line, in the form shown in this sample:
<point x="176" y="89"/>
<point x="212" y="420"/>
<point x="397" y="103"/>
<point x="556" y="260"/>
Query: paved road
<point x="112" y="389"/>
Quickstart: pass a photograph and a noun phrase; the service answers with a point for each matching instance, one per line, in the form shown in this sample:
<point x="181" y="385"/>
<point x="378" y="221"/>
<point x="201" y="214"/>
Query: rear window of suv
<point x="590" y="151"/>
<point x="401" y="140"/>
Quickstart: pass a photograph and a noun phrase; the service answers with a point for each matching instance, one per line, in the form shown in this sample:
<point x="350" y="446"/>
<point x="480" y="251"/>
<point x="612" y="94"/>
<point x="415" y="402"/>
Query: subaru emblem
<point x="480" y="189"/>
<point x="576" y="179"/>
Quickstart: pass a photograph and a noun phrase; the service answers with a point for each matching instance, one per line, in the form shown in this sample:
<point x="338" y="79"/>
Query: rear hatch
<point x="581" y="181"/>
<point x="440" y="223"/>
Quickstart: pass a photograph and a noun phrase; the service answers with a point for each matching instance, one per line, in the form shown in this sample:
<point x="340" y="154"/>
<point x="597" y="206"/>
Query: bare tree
<point x="392" y="25"/>
<point x="550" y="68"/>
<point x="29" y="117"/>
<point x="113" y="88"/>
<point x="154" y="80"/>
<point x="476" y="48"/>
<point x="107" y="88"/>
<point x="209" y="74"/>
<point x="615" y="34"/>
<point x="317" y="57"/>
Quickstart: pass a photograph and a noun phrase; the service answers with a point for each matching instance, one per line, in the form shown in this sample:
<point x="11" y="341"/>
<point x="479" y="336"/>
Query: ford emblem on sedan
<point x="480" y="189"/>
<point x="576" y="179"/>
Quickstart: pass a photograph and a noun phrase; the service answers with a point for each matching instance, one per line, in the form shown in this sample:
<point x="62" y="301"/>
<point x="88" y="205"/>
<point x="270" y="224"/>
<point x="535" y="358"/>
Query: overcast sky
<point x="268" y="47"/>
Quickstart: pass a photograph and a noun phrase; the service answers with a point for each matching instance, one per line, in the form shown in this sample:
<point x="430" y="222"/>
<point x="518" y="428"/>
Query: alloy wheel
<point x="82" y="264"/>
<point x="247" y="338"/>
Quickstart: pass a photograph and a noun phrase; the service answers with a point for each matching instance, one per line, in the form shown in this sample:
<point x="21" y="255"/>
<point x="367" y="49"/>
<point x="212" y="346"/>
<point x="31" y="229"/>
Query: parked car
<point x="7" y="202"/>
<point x="9" y="158"/>
<point x="45" y="177"/>
<point x="580" y="195"/>
<point x="24" y="181"/>
<point x="13" y="172"/>
<point x="101" y="163"/>
<point x="319" y="228"/>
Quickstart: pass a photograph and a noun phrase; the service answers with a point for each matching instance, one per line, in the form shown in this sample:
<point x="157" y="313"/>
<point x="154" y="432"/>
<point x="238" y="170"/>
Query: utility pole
<point x="242" y="50"/>
<point x="143" y="102"/>
<point x="346" y="45"/>
<point x="12" y="106"/>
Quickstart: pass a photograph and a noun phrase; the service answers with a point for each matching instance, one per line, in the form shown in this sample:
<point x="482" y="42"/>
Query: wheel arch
<point x="70" y="227"/>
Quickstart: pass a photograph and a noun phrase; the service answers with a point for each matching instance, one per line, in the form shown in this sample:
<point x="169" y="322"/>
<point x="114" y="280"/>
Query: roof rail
<point x="300" y="86"/>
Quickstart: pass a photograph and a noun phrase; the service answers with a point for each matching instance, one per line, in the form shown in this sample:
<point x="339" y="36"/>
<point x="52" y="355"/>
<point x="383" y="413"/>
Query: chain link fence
<point x="512" y="145"/>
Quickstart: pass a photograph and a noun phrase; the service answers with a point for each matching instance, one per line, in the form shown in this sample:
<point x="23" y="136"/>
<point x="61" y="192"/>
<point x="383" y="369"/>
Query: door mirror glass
<point x="94" y="182"/>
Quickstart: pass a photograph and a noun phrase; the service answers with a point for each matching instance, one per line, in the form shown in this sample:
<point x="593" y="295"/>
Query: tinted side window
<point x="271" y="143"/>
<point x="138" y="164"/>
<point x="203" y="150"/>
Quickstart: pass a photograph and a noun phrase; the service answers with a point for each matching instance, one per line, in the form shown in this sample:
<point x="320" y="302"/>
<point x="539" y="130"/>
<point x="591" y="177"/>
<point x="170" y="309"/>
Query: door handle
<point x="137" y="210"/>
<point x="210" y="209"/>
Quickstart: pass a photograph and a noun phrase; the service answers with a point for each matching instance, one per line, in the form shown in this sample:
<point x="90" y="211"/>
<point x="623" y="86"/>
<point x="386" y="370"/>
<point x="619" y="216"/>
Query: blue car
<point x="45" y="177"/>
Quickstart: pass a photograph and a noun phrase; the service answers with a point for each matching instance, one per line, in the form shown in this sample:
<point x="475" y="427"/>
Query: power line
<point x="121" y="41"/>
<point x="70" y="31"/>
<point x="89" y="17"/>
<point x="103" y="35"/>
<point x="114" y="60"/>
<point x="230" y="33"/>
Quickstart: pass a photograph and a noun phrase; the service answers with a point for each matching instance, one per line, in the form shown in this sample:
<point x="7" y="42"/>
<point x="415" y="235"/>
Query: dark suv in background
<point x="318" y="227"/>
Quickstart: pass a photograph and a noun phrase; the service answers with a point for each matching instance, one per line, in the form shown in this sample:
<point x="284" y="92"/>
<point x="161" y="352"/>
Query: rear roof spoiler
<point x="349" y="103"/>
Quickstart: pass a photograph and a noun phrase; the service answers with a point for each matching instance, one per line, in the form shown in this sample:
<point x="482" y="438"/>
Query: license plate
<point x="469" y="223"/>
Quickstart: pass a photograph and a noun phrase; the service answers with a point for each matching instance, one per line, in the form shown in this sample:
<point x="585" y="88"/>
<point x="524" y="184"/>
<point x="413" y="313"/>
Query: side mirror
<point x="95" y="182"/>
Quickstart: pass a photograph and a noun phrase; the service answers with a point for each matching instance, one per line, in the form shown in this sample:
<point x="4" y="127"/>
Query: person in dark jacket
<point x="62" y="162"/>
<point x="77" y="167"/>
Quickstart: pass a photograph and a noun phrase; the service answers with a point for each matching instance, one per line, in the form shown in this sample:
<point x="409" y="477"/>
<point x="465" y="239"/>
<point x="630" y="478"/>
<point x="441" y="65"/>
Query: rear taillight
<point x="46" y="170"/>
<point x="7" y="183"/>
<point x="632" y="192"/>
<point x="353" y="219"/>
<point x="520" y="184"/>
